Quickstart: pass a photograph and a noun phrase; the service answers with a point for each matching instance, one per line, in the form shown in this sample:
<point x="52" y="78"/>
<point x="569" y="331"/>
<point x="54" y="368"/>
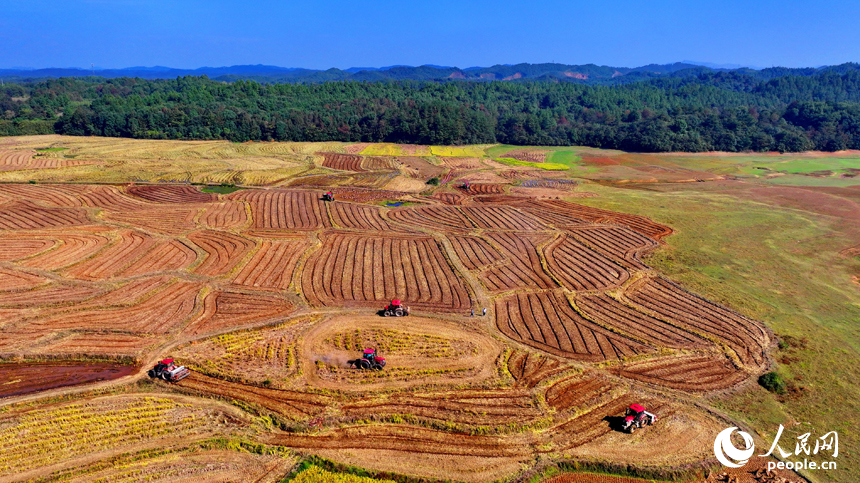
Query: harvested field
<point x="344" y="162"/>
<point x="449" y="198"/>
<point x="171" y="194"/>
<point x="110" y="198"/>
<point x="557" y="184"/>
<point x="34" y="377"/>
<point x="565" y="213"/>
<point x="746" y="338"/>
<point x="272" y="266"/>
<point x="164" y="256"/>
<point x="168" y="220"/>
<point x="50" y="294"/>
<point x="622" y="318"/>
<point x="26" y="215"/>
<point x="530" y="155"/>
<point x="164" y="310"/>
<point x="50" y="196"/>
<point x="224" y="251"/>
<point x="694" y="373"/>
<point x="129" y="246"/>
<point x="360" y="270"/>
<point x="249" y="356"/>
<point x="474" y="252"/>
<point x="361" y="217"/>
<point x="99" y="344"/>
<point x="482" y="189"/>
<point x="17" y="280"/>
<point x="581" y="268"/>
<point x="615" y="241"/>
<point x="547" y="321"/>
<point x="501" y="218"/>
<point x="73" y="247"/>
<point x="530" y="369"/>
<point x="581" y="391"/>
<point x="71" y="432"/>
<point x="359" y="195"/>
<point x="425" y="351"/>
<point x="432" y="217"/>
<point x="281" y="209"/>
<point x="16" y="247"/>
<point x="226" y="215"/>
<point x="232" y="310"/>
<point x="524" y="268"/>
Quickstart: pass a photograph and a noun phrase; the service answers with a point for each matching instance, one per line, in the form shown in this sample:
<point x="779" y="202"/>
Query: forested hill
<point x="726" y="111"/>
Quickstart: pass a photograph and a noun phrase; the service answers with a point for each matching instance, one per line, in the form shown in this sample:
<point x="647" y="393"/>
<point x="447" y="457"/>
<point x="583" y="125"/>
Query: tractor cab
<point x="636" y="416"/>
<point x="369" y="360"/>
<point x="168" y="370"/>
<point x="395" y="309"/>
<point x="328" y="196"/>
<point x="465" y="185"/>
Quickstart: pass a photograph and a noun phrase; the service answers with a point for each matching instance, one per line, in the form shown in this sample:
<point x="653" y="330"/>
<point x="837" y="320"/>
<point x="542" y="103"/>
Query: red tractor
<point x="169" y="371"/>
<point x="370" y="360"/>
<point x="636" y="416"/>
<point x="395" y="309"/>
<point x="328" y="196"/>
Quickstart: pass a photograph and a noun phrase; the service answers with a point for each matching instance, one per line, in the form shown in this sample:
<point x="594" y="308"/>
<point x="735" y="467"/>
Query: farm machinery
<point x="168" y="370"/>
<point x="636" y="416"/>
<point x="395" y="309"/>
<point x="328" y="196"/>
<point x="370" y="360"/>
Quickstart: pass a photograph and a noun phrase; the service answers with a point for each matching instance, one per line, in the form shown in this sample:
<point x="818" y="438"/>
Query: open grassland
<point x="268" y="293"/>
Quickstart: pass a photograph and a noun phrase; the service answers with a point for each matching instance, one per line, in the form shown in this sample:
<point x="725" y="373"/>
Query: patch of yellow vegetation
<point x="458" y="151"/>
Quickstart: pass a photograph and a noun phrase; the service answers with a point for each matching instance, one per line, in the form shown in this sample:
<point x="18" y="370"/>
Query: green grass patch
<point x="43" y="150"/>
<point x="567" y="158"/>
<point x="546" y="166"/>
<point x="222" y="189"/>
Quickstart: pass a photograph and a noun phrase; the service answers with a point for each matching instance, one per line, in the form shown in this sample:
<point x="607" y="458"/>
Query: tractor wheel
<point x="377" y="367"/>
<point x="398" y="312"/>
<point x="151" y="373"/>
<point x="166" y="376"/>
<point x="382" y="364"/>
<point x="386" y="313"/>
<point x="364" y="364"/>
<point x="632" y="428"/>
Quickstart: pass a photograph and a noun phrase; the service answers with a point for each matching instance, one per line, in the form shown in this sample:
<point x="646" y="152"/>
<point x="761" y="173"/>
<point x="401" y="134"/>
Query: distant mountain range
<point x="588" y="73"/>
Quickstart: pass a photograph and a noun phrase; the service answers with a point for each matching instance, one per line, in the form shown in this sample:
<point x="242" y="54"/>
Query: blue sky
<point x="326" y="33"/>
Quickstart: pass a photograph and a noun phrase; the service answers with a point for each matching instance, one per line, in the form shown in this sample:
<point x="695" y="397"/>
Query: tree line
<point x="725" y="111"/>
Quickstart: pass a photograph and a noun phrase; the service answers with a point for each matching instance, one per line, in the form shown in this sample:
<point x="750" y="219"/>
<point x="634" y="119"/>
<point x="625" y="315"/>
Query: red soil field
<point x="26" y="215"/>
<point x="224" y="251"/>
<point x="501" y="218"/>
<point x="99" y="344"/>
<point x="50" y="196"/>
<point x="432" y="217"/>
<point x="352" y="269"/>
<point x="376" y="163"/>
<point x="530" y="369"/>
<point x="73" y="247"/>
<point x="110" y="198"/>
<point x="168" y="220"/>
<point x="164" y="256"/>
<point x="581" y="390"/>
<point x="524" y="269"/>
<point x="52" y="294"/>
<point x="482" y="189"/>
<point x="11" y="279"/>
<point x="530" y="155"/>
<point x="15" y="159"/>
<point x="748" y="339"/>
<point x="28" y="378"/>
<point x="14" y="247"/>
<point x="282" y="209"/>
<point x="573" y="214"/>
<point x="580" y="268"/>
<point x="171" y="194"/>
<point x="348" y="215"/>
<point x="345" y="162"/>
<point x="615" y="241"/>
<point x="695" y="373"/>
<point x="223" y="310"/>
<point x="130" y="246"/>
<point x="609" y="312"/>
<point x="165" y="308"/>
<point x="229" y="214"/>
<point x="547" y="321"/>
<point x="272" y="266"/>
<point x="474" y="252"/>
<point x="449" y="198"/>
<point x="362" y="195"/>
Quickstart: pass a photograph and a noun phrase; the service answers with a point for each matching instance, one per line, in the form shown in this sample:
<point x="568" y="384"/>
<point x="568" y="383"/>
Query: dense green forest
<point x="725" y="111"/>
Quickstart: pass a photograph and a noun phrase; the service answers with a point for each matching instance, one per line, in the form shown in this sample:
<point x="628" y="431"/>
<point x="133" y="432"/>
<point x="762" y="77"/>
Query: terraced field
<point x="268" y="294"/>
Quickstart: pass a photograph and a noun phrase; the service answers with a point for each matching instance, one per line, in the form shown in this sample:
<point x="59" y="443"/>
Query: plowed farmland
<point x="534" y="324"/>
